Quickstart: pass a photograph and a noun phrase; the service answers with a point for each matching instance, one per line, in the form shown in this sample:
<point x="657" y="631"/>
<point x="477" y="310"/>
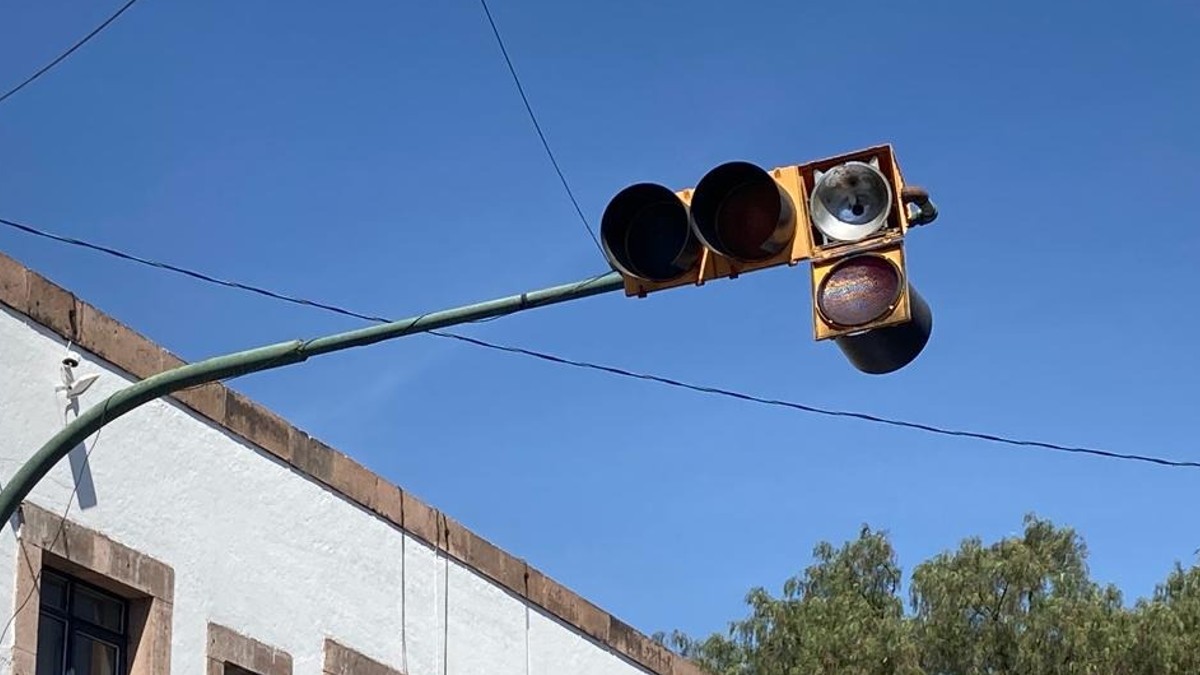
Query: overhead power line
<point x="538" y="127"/>
<point x="621" y="372"/>
<point x="728" y="393"/>
<point x="499" y="41"/>
<point x="200" y="276"/>
<point x="95" y="31"/>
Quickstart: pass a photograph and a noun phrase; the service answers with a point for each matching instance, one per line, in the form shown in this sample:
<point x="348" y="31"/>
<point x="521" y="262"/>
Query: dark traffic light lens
<point x="657" y="236"/>
<point x="859" y="291"/>
<point x="741" y="212"/>
<point x="646" y="233"/>
<point x="747" y="219"/>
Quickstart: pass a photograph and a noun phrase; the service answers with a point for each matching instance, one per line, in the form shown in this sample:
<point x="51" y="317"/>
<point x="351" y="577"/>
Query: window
<point x="81" y="629"/>
<point x="96" y="606"/>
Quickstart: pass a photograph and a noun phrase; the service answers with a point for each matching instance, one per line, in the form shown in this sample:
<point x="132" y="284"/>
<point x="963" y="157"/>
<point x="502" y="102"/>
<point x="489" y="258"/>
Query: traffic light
<point x="738" y="218"/>
<point x="866" y="304"/>
<point x="847" y="214"/>
<point x="863" y="298"/>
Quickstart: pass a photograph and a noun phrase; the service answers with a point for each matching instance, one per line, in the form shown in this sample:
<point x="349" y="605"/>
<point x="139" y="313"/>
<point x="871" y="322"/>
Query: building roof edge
<point x="60" y="311"/>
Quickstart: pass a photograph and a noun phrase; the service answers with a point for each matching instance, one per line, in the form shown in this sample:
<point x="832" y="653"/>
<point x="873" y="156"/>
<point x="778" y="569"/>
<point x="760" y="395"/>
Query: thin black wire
<point x="445" y="598"/>
<point x="612" y="370"/>
<point x="538" y="127"/>
<point x="67" y="53"/>
<point x="186" y="272"/>
<point x="404" y="604"/>
<point x="716" y="391"/>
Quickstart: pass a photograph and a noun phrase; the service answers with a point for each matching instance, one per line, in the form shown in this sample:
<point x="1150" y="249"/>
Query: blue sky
<point x="376" y="155"/>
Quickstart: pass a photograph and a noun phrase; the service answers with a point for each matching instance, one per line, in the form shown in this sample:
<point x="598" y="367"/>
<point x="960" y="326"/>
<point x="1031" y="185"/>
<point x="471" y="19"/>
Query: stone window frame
<point x="47" y="540"/>
<point x="342" y="660"/>
<point x="227" y="647"/>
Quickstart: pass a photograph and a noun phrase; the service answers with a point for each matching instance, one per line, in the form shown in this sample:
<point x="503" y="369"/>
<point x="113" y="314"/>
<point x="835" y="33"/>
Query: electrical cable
<point x="28" y="229"/>
<point x="621" y="372"/>
<point x="866" y="417"/>
<point x="404" y="602"/>
<point x="95" y="31"/>
<point x="446" y="598"/>
<point x="528" y="650"/>
<point x="538" y="127"/>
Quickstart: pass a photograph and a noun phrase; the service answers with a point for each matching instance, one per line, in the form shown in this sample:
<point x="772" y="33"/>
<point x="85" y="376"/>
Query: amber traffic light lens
<point x="851" y="201"/>
<point x="646" y="233"/>
<point x="740" y="212"/>
<point x="859" y="290"/>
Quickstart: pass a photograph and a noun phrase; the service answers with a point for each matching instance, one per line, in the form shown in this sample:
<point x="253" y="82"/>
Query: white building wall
<point x="262" y="549"/>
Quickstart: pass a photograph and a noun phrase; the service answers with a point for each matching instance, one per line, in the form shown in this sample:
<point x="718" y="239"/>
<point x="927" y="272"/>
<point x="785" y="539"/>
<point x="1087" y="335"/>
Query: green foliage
<point x="1023" y="605"/>
<point x="1165" y="637"/>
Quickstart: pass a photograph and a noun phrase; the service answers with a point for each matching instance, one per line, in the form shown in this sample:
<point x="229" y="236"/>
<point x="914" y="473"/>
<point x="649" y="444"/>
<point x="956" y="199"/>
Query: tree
<point x="843" y="615"/>
<point x="1024" y="605"/>
<point x="1166" y="629"/>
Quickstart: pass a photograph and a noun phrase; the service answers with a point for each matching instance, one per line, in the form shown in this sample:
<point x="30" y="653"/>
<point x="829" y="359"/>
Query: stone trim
<point x="228" y="647"/>
<point x="342" y="660"/>
<point x="60" y="311"/>
<point x="96" y="553"/>
<point x="46" y="540"/>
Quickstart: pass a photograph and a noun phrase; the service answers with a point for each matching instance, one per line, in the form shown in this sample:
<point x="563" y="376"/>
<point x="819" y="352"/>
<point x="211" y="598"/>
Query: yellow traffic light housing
<point x="862" y="296"/>
<point x="854" y="199"/>
<point x="647" y="235"/>
<point x="737" y="219"/>
<point x="847" y="214"/>
<point x="860" y="292"/>
<point x="866" y="304"/>
<point x="750" y="218"/>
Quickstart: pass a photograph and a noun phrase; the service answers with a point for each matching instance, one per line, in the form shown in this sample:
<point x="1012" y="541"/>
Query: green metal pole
<point x="266" y="358"/>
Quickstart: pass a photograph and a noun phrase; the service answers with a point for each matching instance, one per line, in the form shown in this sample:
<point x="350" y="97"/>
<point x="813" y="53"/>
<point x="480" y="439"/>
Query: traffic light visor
<point x="851" y="201"/>
<point x="646" y="233"/>
<point x="859" y="291"/>
<point x="739" y="211"/>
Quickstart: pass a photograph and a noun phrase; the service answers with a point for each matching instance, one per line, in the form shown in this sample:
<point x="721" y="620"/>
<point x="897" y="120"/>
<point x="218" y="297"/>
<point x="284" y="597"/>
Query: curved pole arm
<point x="266" y="358"/>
